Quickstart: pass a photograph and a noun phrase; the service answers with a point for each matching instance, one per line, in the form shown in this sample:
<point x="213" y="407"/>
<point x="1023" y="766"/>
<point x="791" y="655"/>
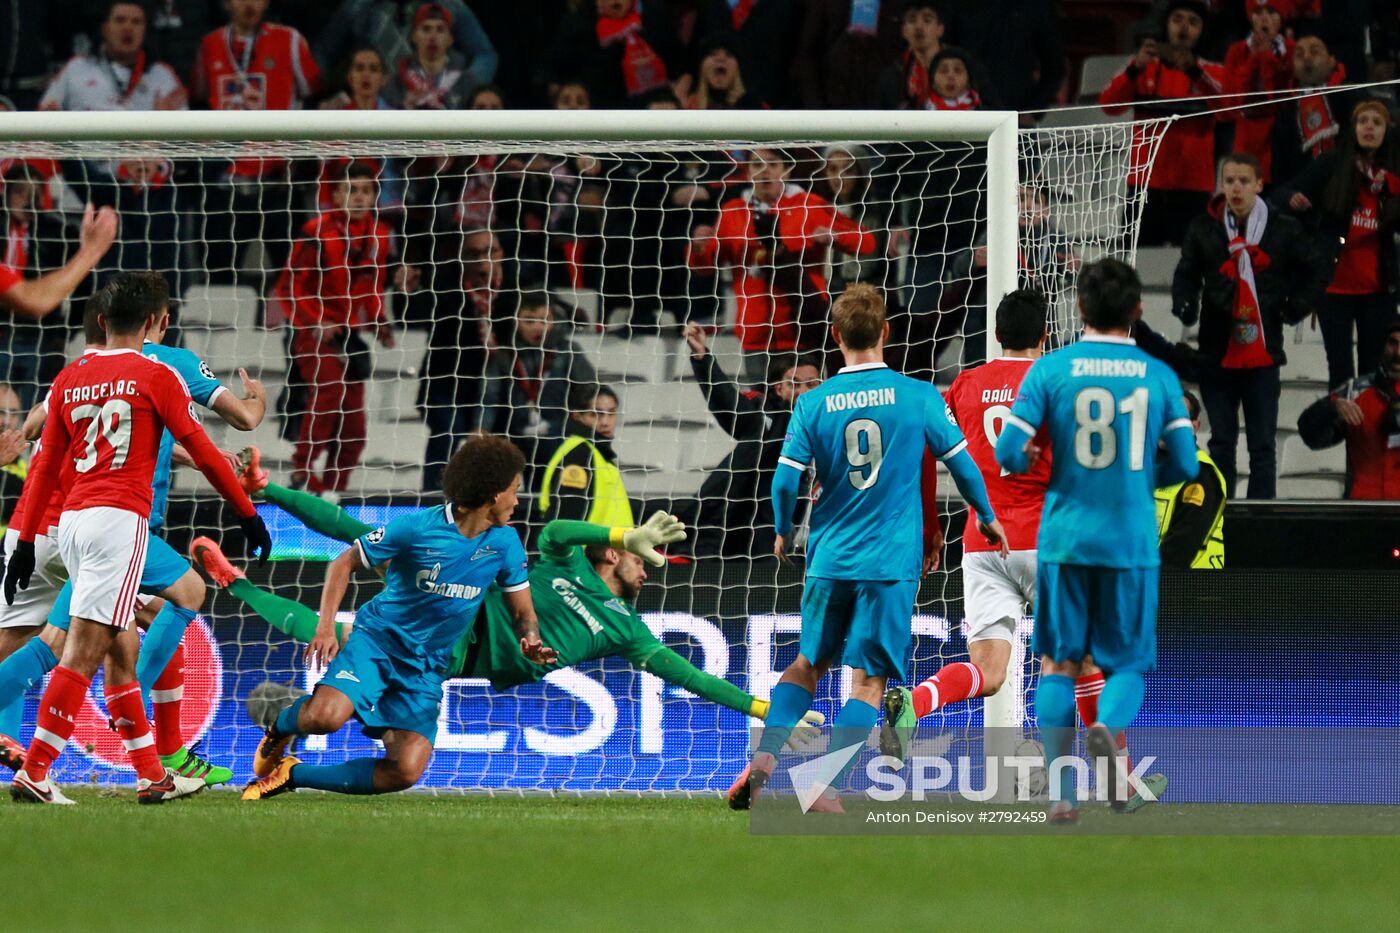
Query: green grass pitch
<point x="413" y="862"/>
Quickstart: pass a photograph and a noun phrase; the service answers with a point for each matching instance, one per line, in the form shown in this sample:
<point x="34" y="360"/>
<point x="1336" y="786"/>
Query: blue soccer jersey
<point x="1106" y="405"/>
<point x="204" y="389"/>
<point x="435" y="581"/>
<point x="865" y="431"/>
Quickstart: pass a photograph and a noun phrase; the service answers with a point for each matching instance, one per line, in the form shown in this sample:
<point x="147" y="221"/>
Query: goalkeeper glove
<point x="658" y="530"/>
<point x="807" y="731"/>
<point x="20" y="569"/>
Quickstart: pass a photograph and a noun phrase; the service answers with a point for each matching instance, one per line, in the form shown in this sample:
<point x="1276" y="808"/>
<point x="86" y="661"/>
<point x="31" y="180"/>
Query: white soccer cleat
<point x="170" y="787"/>
<point x="24" y="789"/>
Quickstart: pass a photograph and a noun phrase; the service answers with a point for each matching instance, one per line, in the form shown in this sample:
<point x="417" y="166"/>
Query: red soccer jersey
<point x="106" y="413"/>
<point x="65" y="481"/>
<point x="275" y="71"/>
<point x="981" y="399"/>
<point x="9" y="278"/>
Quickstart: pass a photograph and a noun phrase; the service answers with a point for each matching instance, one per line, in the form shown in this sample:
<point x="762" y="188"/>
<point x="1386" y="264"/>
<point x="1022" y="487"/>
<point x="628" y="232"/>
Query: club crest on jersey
<point x="616" y="605"/>
<point x="426" y="580"/>
<point x="485" y="550"/>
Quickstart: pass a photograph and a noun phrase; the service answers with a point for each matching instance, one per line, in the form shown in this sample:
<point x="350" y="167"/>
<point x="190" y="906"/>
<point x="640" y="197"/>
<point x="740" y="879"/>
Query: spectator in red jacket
<point x="334" y="286"/>
<point x="775" y="238"/>
<point x="1365" y="413"/>
<point x="1182" y="182"/>
<point x="1261" y="62"/>
<point x="249" y="64"/>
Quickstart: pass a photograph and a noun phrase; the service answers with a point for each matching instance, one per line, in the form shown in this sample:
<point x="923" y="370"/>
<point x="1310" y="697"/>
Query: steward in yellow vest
<point x="1191" y="516"/>
<point x="581" y="481"/>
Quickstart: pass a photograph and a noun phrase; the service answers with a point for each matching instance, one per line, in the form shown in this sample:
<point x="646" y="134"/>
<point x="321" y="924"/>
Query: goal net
<point x="399" y="281"/>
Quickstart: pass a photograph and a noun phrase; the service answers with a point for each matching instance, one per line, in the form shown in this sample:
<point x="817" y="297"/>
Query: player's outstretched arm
<point x="43" y="479"/>
<point x="325" y="643"/>
<point x="787" y="480"/>
<point x="33" y="299"/>
<point x="320" y="515"/>
<point x="527" y="626"/>
<point x="643" y="540"/>
<point x="246" y="413"/>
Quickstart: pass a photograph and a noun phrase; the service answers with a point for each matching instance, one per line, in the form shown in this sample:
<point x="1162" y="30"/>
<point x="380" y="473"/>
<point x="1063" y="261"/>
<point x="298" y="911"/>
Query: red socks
<point x="62" y="700"/>
<point x="128" y="714"/>
<point x="166" y="696"/>
<point x="1086" y="696"/>
<point x="961" y="681"/>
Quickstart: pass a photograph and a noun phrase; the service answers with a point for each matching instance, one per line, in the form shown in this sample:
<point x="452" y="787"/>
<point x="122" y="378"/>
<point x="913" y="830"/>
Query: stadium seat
<point x="390" y="400"/>
<point x="638" y="359"/>
<point x="1306" y="332"/>
<point x="1310" y="487"/>
<point x="1156" y="265"/>
<point x="1095" y="75"/>
<point x="1157" y="313"/>
<point x="644" y="402"/>
<point x="219" y="306"/>
<point x="1300" y="460"/>
<point x="1291" y="403"/>
<point x="1307" y="362"/>
<point x="261" y="352"/>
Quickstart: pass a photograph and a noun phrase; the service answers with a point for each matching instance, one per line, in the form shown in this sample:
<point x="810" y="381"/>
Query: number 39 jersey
<point x="107" y="410"/>
<point x="864" y="431"/>
<point x="980" y="399"/>
<point x="1106" y="405"/>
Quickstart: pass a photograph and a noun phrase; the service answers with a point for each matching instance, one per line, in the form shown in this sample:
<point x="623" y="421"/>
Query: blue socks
<point x="23" y="669"/>
<point x="786" y="706"/>
<point x="852" y="726"/>
<point x="287" y="719"/>
<point x="1121" y="700"/>
<point x="350" y="777"/>
<point x="160" y="644"/>
<point x="1054" y="712"/>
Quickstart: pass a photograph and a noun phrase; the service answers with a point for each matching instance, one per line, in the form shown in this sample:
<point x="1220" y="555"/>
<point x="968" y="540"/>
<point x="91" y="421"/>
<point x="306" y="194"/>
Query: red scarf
<point x="916" y="83"/>
<point x="17" y="246"/>
<point x="968" y="101"/>
<point x="1246" y="349"/>
<point x="1381" y="181"/>
<point x="642" y="69"/>
<point x="1316" y="126"/>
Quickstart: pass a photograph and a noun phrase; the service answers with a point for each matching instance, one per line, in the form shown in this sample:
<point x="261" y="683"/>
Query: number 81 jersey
<point x="107" y="410"/>
<point x="980" y="399"/>
<point x="1106" y="405"/>
<point x="864" y="432"/>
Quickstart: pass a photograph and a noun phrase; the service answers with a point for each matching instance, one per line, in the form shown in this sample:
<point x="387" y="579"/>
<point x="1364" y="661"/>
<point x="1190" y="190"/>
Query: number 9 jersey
<point x="865" y="431"/>
<point x="1106" y="405"/>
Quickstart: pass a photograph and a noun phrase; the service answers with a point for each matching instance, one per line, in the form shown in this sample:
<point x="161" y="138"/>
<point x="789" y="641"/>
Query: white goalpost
<point x="624" y="222"/>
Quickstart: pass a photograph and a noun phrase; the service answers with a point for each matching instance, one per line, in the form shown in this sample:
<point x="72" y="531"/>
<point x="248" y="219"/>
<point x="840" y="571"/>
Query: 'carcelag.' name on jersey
<point x="434" y="584"/>
<point x="1105" y="404"/>
<point x="865" y="431"/>
<point x="204" y="389"/>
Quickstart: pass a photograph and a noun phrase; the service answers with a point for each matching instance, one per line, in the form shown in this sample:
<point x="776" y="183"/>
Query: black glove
<point x="259" y="542"/>
<point x="21" y="568"/>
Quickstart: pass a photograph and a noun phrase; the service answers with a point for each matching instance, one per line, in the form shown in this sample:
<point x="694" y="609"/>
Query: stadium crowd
<point x="1300" y="224"/>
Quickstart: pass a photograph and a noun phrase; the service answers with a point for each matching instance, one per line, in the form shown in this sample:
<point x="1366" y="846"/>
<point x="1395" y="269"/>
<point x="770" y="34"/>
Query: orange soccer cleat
<point x="252" y="476"/>
<point x="207" y="554"/>
<point x="11" y="753"/>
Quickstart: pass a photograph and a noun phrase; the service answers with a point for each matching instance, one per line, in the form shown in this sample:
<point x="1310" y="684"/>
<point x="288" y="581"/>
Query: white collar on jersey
<point x="1014" y="359"/>
<point x="112" y="352"/>
<point x="861" y="367"/>
<point x="1108" y="338"/>
<point x="447" y="511"/>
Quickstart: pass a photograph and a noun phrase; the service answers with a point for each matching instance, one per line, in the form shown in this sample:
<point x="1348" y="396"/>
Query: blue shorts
<point x="388" y="693"/>
<point x="164" y="566"/>
<point x="1108" y="612"/>
<point x="871" y="618"/>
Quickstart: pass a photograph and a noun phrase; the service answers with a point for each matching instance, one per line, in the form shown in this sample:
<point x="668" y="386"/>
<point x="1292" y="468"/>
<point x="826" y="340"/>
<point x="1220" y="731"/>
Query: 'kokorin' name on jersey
<point x="427" y="582"/>
<point x="865" y="398"/>
<point x="1098" y="366"/>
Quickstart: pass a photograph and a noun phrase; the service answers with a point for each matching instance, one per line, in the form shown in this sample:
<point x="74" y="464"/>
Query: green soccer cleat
<point x="899" y="723"/>
<point x="187" y="763"/>
<point x="1156" y="783"/>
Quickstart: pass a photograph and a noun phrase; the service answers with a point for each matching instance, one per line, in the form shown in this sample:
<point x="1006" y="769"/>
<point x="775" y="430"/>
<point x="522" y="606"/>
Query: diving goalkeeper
<point x="584" y="586"/>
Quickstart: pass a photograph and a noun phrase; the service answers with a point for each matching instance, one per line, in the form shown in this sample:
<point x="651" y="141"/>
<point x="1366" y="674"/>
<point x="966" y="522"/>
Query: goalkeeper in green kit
<point x="584" y="587"/>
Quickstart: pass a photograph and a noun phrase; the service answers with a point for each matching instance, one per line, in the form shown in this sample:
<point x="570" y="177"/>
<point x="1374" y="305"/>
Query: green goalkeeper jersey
<point x="579" y="617"/>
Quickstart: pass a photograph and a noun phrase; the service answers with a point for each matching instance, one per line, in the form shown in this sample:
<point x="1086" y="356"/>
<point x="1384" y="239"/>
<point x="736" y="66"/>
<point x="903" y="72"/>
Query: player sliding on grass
<point x="30" y="646"/>
<point x="865" y="431"/>
<point x="437" y="564"/>
<point x="1106" y="407"/>
<point x="589" y="616"/>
